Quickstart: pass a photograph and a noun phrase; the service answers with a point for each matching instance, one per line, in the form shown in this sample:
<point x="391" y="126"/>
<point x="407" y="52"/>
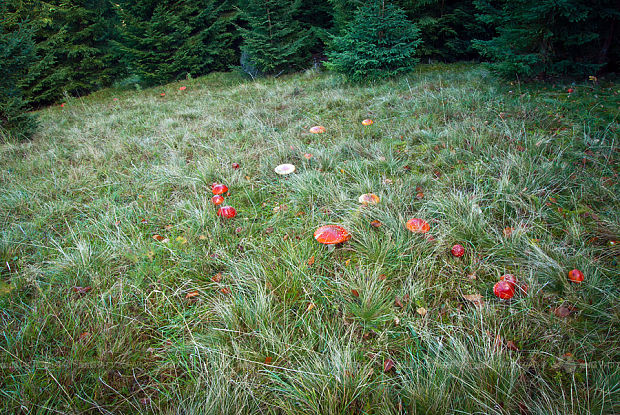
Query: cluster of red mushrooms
<point x="219" y="189"/>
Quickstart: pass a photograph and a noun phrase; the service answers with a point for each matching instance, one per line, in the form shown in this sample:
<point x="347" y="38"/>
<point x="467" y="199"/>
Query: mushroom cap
<point x="217" y="200"/>
<point x="284" y="169"/>
<point x="417" y="225"/>
<point x="318" y="129"/>
<point x="227" y="212"/>
<point x="458" y="250"/>
<point x="504" y="290"/>
<point x="367" y="122"/>
<point x="368" y="199"/>
<point x="235" y="166"/>
<point x="219" y="188"/>
<point x="331" y="234"/>
<point x="308" y="156"/>
<point x="509" y="278"/>
<point x="575" y="276"/>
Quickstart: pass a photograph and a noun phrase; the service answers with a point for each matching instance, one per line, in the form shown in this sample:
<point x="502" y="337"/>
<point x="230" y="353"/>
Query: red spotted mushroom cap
<point x="227" y="212"/>
<point x="331" y="234"/>
<point x="417" y="225"/>
<point x="219" y="188"/>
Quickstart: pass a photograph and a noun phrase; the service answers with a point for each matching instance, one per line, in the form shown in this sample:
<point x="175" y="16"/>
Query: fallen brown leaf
<point x="421" y="311"/>
<point x="191" y="294"/>
<point x="355" y="293"/>
<point x="82" y="290"/>
<point x="475" y="299"/>
<point x="217" y="277"/>
<point x="376" y="223"/>
<point x="388" y="365"/>
<point x="268" y="360"/>
<point x="311" y="261"/>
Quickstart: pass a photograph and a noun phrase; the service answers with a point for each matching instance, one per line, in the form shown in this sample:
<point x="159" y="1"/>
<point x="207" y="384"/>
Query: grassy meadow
<point x="121" y="291"/>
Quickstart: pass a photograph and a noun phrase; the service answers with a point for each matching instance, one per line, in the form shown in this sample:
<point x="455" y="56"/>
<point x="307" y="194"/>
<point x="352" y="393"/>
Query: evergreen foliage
<point x="165" y="41"/>
<point x="273" y="40"/>
<point x="16" y="56"/>
<point x="447" y="28"/>
<point x="379" y="42"/>
<point x="548" y="37"/>
<point x="72" y="45"/>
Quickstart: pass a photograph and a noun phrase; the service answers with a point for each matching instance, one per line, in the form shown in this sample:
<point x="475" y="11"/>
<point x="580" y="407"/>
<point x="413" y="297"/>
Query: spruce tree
<point x="165" y="41"/>
<point x="16" y="56"/>
<point x="273" y="41"/>
<point x="379" y="42"/>
<point x="72" y="45"/>
<point x="548" y="37"/>
<point x="447" y="28"/>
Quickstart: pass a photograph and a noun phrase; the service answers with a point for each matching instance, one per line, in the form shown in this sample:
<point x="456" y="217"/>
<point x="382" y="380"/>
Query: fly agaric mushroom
<point x="217" y="200"/>
<point x="575" y="276"/>
<point x="331" y="235"/>
<point x="504" y="290"/>
<point x="458" y="250"/>
<point x="318" y="129"/>
<point x="219" y="188"/>
<point x="417" y="225"/>
<point x="284" y="169"/>
<point x="509" y="278"/>
<point x="227" y="212"/>
<point x="235" y="166"/>
<point x="368" y="199"/>
<point x="367" y="122"/>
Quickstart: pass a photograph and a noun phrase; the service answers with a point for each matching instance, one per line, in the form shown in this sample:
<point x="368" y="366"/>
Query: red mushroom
<point x="417" y="225"/>
<point x="235" y="166"/>
<point x="458" y="250"/>
<point x="219" y="188"/>
<point x="509" y="278"/>
<point x="217" y="200"/>
<point x="504" y="290"/>
<point x="227" y="212"/>
<point x="331" y="235"/>
<point x="575" y="276"/>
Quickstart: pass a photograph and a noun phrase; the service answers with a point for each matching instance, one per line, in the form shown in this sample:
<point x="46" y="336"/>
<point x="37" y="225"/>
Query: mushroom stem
<point x="331" y="248"/>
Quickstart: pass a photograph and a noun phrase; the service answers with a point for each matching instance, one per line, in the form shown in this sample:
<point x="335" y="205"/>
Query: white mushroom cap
<point x="284" y="169"/>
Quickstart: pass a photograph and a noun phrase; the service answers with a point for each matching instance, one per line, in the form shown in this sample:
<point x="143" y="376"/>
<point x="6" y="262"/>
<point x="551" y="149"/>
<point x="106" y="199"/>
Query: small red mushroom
<point x="417" y="225"/>
<point x="219" y="188"/>
<point x="504" y="290"/>
<point x="182" y="88"/>
<point x="575" y="276"/>
<point x="331" y="234"/>
<point x="217" y="200"/>
<point x="570" y="90"/>
<point x="458" y="250"/>
<point x="227" y="212"/>
<point x="509" y="278"/>
<point x="235" y="166"/>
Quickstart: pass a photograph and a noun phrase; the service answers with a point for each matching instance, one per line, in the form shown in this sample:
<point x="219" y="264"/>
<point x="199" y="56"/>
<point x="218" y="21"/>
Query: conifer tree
<point x="165" y="41"/>
<point x="447" y="28"/>
<point x="72" y="45"/>
<point x="16" y="56"/>
<point x="273" y="41"/>
<point x="379" y="42"/>
<point x="548" y="37"/>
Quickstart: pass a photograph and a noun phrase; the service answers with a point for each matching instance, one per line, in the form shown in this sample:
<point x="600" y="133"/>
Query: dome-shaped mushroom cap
<point x="417" y="225"/>
<point x="318" y="129"/>
<point x="219" y="188"/>
<point x="367" y="122"/>
<point x="331" y="234"/>
<point x="284" y="169"/>
<point x="368" y="199"/>
<point x="227" y="212"/>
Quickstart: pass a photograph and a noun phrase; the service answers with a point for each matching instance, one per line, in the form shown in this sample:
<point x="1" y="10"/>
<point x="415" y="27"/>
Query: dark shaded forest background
<point x="57" y="48"/>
